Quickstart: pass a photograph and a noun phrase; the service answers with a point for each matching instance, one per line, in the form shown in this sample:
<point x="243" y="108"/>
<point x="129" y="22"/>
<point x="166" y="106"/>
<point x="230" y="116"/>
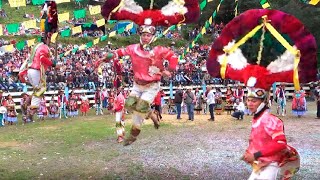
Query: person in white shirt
<point x="239" y="108"/>
<point x="211" y="102"/>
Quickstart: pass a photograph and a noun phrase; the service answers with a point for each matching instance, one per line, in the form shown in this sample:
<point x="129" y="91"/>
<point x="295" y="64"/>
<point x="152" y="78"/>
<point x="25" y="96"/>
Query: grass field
<point x="86" y="148"/>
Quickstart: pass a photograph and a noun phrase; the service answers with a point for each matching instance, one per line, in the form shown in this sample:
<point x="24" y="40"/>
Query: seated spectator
<point x="239" y="108"/>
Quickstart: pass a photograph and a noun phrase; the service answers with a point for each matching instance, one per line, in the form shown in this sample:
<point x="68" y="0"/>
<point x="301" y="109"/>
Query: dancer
<point x="276" y="61"/>
<point x="281" y="100"/>
<point x="118" y="109"/>
<point x="147" y="61"/>
<point x="299" y="103"/>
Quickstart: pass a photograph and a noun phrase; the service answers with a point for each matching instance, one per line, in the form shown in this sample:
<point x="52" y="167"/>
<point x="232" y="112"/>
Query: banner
<point x="78" y="14"/>
<point x="31" y="24"/>
<point x="63" y="17"/>
<point x="95" y="10"/>
<point x="12" y="28"/>
<point x="38" y="2"/>
<point x="101" y="22"/>
<point x="76" y="30"/>
<point x="17" y="3"/>
<point x="62" y="1"/>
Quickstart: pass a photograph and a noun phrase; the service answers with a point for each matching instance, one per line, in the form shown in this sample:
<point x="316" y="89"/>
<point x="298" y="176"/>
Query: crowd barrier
<point x="90" y="93"/>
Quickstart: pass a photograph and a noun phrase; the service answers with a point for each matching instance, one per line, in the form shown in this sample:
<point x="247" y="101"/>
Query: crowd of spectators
<point x="76" y="69"/>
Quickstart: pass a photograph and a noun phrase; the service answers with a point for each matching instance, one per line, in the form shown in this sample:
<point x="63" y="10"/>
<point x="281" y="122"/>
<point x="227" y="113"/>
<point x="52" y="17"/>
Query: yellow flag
<point x="9" y="48"/>
<point x="95" y="9"/>
<point x="63" y="17"/>
<point x="192" y="44"/>
<point x="17" y="3"/>
<point x="210" y="20"/>
<point x="54" y="37"/>
<point x="82" y="47"/>
<point x="76" y="30"/>
<point x="67" y="53"/>
<point x="101" y="22"/>
<point x="266" y="5"/>
<point x="62" y="1"/>
<point x="314" y="2"/>
<point x="30" y="42"/>
<point x="30" y="24"/>
<point x="203" y="30"/>
<point x="129" y="26"/>
<point x="96" y="41"/>
<point x="1" y="30"/>
<point x="210" y="0"/>
<point x="113" y="33"/>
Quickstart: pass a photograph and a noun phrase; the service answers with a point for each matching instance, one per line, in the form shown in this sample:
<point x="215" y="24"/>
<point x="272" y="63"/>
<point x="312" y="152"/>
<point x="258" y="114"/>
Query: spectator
<point x="211" y="102"/>
<point x="178" y="97"/>
<point x="190" y="99"/>
<point x="239" y="108"/>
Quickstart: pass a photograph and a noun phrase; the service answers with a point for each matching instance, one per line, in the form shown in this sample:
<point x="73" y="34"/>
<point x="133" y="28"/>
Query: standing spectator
<point x="98" y="100"/>
<point x="105" y="96"/>
<point x="299" y="103"/>
<point x="190" y="100"/>
<point x="62" y="103"/>
<point x="198" y="104"/>
<point x="84" y="108"/>
<point x="157" y="102"/>
<point x="239" y="93"/>
<point x="178" y="100"/>
<point x="281" y="100"/>
<point x="211" y="102"/>
<point x="53" y="108"/>
<point x="11" y="110"/>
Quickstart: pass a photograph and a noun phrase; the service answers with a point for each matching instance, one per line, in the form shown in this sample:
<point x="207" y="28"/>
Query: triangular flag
<point x="89" y="44"/>
<point x="211" y="20"/>
<point x="101" y="22"/>
<point x="17" y="3"/>
<point x="63" y="17"/>
<point x="203" y="31"/>
<point x="113" y="33"/>
<point x="103" y="38"/>
<point x="67" y="53"/>
<point x="54" y="37"/>
<point x="210" y="0"/>
<point x="96" y="41"/>
<point x="203" y="4"/>
<point x="31" y="42"/>
<point x="65" y="33"/>
<point x="61" y="1"/>
<point x="20" y="45"/>
<point x="76" y="30"/>
<point x="95" y="9"/>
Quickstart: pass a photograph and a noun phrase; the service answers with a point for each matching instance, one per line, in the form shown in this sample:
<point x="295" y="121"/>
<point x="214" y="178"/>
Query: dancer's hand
<point x="248" y="157"/>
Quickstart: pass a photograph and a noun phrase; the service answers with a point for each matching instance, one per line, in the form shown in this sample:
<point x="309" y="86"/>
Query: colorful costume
<point x="53" y="109"/>
<point x="34" y="69"/>
<point x="291" y="58"/>
<point x="98" y="101"/>
<point x="84" y="108"/>
<point x="73" y="106"/>
<point x="147" y="61"/>
<point x="42" y="110"/>
<point x="299" y="103"/>
<point x="119" y="111"/>
<point x="11" y="112"/>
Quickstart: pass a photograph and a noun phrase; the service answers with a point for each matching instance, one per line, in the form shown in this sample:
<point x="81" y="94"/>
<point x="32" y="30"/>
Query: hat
<point x="1" y="91"/>
<point x="175" y="12"/>
<point x="264" y="46"/>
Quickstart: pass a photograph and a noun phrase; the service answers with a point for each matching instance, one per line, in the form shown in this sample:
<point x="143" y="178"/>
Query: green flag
<point x="112" y="21"/>
<point x="203" y="4"/>
<point x="103" y="38"/>
<point x="38" y="2"/>
<point x="20" y="45"/>
<point x="86" y="25"/>
<point x="65" y="33"/>
<point x="89" y="44"/>
<point x="12" y="28"/>
<point x="75" y="50"/>
<point x="0" y="4"/>
<point x="81" y="13"/>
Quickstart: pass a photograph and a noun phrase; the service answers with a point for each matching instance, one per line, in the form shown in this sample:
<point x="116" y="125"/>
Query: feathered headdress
<point x="262" y="46"/>
<point x="176" y="11"/>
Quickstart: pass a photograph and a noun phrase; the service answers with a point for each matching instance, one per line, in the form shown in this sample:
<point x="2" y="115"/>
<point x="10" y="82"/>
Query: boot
<point x="155" y="118"/>
<point x="132" y="137"/>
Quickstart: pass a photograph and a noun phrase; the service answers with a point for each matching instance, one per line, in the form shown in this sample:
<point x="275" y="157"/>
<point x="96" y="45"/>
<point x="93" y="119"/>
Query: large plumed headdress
<point x="176" y="11"/>
<point x="262" y="46"/>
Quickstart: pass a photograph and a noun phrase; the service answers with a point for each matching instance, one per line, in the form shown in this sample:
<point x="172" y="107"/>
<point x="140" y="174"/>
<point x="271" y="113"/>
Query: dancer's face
<point x="253" y="103"/>
<point x="146" y="38"/>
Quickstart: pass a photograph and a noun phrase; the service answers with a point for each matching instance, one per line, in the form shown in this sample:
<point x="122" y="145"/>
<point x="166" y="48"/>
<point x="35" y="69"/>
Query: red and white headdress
<point x="175" y="12"/>
<point x="262" y="46"/>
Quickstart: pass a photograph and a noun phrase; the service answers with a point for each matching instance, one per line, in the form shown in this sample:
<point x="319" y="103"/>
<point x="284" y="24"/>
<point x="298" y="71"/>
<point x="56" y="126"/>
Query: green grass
<point x="59" y="149"/>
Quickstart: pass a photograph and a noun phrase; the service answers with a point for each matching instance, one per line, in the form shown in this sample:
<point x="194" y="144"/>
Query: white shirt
<point x="240" y="106"/>
<point x="211" y="97"/>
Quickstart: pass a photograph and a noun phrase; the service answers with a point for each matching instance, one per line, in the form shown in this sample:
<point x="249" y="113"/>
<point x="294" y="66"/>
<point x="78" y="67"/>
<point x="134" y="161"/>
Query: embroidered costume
<point x="118" y="108"/>
<point x="147" y="61"/>
<point x="286" y="52"/>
